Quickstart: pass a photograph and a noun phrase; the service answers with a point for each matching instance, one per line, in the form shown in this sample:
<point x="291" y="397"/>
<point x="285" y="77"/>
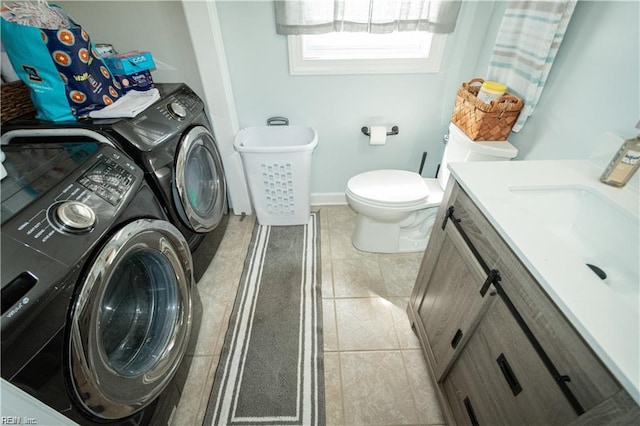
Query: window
<point x="366" y="53"/>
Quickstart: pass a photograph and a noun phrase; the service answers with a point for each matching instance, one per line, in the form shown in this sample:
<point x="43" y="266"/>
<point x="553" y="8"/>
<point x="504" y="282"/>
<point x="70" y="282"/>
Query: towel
<point x="526" y="46"/>
<point x="130" y="105"/>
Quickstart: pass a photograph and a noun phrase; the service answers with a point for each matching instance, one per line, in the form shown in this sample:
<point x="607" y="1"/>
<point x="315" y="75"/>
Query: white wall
<point x="156" y="26"/>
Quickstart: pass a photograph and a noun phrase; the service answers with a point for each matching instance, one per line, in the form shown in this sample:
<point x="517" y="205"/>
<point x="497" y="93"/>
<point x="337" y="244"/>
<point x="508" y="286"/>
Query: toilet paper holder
<point x="394" y="131"/>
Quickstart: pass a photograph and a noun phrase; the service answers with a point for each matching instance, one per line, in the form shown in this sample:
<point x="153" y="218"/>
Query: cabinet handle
<point x="493" y="277"/>
<point x="509" y="376"/>
<point x="456" y="339"/>
<point x="470" y="412"/>
<point x="456" y="222"/>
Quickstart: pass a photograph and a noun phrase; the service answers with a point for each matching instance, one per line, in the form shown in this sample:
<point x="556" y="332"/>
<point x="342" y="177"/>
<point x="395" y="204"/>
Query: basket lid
<point x="495" y="86"/>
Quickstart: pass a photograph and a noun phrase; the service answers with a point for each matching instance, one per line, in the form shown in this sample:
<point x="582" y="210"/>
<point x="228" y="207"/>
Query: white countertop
<point x="608" y="320"/>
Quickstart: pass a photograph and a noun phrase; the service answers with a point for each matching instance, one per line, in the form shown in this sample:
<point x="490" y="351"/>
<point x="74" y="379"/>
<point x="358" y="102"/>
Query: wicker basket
<point x="481" y="121"/>
<point x="15" y="100"/>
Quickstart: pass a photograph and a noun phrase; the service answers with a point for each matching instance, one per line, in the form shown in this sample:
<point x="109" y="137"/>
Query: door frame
<point x="206" y="36"/>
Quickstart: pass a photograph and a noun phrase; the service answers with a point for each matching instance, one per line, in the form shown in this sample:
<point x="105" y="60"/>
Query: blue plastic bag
<point x="66" y="76"/>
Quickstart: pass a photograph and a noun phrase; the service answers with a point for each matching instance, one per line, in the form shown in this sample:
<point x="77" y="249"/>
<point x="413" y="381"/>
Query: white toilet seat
<point x="397" y="209"/>
<point x="389" y="188"/>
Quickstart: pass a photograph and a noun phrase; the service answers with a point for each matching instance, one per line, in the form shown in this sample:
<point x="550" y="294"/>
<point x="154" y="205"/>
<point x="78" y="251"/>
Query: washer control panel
<point x="107" y="179"/>
<point x="78" y="206"/>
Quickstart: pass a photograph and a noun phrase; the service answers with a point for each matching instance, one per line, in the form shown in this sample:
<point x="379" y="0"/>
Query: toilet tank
<point x="461" y="149"/>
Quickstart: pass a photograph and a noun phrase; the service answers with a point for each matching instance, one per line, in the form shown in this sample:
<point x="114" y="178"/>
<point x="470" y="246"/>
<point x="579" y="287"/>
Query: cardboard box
<point x="130" y="63"/>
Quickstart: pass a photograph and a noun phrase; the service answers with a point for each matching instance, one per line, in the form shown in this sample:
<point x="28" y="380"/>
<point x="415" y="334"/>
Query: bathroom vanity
<point x="515" y="327"/>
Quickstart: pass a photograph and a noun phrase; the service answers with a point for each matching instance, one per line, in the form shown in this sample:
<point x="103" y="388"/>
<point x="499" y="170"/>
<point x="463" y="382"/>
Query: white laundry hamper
<point x="277" y="164"/>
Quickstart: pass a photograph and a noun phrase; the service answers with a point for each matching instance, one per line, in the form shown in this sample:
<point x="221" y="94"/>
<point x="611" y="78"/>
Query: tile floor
<point x="375" y="372"/>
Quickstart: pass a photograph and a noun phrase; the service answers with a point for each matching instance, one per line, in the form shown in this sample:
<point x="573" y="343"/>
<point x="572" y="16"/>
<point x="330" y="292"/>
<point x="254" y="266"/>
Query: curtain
<point x="526" y="46"/>
<point x="373" y="16"/>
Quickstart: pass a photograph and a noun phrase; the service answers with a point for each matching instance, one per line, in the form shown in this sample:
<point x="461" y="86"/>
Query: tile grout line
<point x="411" y="387"/>
<point x="335" y="326"/>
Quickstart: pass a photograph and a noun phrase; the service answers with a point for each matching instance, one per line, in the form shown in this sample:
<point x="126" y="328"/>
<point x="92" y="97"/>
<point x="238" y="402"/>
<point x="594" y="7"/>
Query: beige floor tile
<point x="342" y="247"/>
<point x="340" y="217"/>
<point x="221" y="279"/>
<point x="357" y="278"/>
<point x="329" y="331"/>
<point x="327" y="279"/>
<point x="376" y="389"/>
<point x="334" y="413"/>
<point x="365" y="324"/>
<point x="399" y="273"/>
<point x="204" y="398"/>
<point x="422" y="388"/>
<point x="213" y="322"/>
<point x="223" y="331"/>
<point x="406" y="336"/>
<point x="197" y="384"/>
<point x="235" y="235"/>
<point x="225" y="284"/>
<point x="379" y="385"/>
<point x="324" y="216"/>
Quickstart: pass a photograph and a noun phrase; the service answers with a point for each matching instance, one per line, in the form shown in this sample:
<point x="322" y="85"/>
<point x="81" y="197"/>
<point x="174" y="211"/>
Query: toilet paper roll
<point x="377" y="135"/>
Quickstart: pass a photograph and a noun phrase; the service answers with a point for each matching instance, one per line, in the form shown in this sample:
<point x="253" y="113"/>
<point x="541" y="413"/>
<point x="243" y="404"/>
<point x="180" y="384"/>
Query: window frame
<point x="300" y="66"/>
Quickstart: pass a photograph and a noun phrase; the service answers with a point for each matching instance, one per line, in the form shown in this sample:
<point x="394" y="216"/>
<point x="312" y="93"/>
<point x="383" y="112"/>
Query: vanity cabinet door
<point x="498" y="379"/>
<point x="589" y="381"/>
<point x="458" y="292"/>
<point x="505" y="359"/>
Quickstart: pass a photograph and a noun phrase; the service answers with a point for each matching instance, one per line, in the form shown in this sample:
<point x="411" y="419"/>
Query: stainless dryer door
<point x="199" y="180"/>
<point x="131" y="320"/>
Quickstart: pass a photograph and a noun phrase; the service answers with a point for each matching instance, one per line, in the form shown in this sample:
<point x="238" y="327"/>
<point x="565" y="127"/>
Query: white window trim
<point x="300" y="66"/>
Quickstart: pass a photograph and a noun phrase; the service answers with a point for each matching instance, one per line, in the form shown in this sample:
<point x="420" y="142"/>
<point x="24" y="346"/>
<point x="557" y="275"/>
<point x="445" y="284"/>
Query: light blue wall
<point x="593" y="87"/>
<point x="601" y="48"/>
<point x="338" y="106"/>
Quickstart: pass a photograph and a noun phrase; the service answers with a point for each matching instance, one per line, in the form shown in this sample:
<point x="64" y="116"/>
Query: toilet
<point x="397" y="208"/>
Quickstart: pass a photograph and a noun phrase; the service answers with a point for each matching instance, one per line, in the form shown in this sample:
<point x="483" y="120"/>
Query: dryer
<point x="99" y="305"/>
<point x="173" y="142"/>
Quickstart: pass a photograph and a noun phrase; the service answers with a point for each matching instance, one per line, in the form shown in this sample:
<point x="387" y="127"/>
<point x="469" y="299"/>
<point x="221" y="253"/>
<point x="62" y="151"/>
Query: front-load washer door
<point x="131" y="320"/>
<point x="199" y="181"/>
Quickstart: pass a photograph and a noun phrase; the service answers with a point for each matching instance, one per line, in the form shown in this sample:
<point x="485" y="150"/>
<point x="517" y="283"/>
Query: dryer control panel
<point x="166" y="118"/>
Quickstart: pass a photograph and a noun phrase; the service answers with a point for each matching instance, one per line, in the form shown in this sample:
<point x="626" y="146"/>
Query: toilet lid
<point x="393" y="187"/>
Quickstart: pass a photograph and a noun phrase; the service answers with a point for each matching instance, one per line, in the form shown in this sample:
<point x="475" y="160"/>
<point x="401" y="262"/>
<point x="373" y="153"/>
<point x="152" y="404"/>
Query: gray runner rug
<point x="271" y="367"/>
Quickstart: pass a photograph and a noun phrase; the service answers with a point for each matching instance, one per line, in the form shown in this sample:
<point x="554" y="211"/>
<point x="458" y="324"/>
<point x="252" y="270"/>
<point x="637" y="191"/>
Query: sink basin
<point x="593" y="227"/>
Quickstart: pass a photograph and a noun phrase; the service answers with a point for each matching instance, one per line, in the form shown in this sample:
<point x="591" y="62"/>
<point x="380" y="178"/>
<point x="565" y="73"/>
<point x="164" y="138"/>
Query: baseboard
<point x="328" y="199"/>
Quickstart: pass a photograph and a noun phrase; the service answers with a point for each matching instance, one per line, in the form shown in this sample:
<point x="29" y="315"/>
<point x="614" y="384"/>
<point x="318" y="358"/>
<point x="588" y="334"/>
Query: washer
<point x="173" y="142"/>
<point x="99" y="304"/>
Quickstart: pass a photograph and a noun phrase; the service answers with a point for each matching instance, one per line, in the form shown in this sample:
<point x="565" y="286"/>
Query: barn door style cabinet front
<point x="499" y="349"/>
